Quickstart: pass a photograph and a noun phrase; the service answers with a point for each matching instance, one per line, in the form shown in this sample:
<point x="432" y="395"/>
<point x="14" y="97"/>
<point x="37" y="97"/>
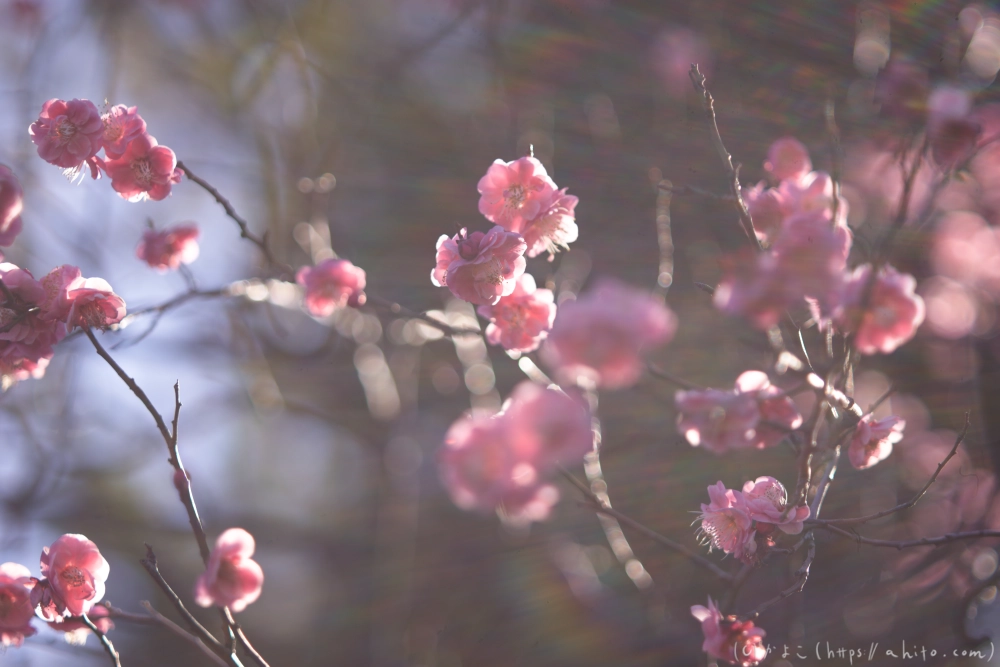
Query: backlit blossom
<point x="11" y="204"/>
<point x="891" y="316"/>
<point x="520" y="321"/>
<point x="480" y="268"/>
<point x="76" y="632"/>
<point x="68" y="134"/>
<point x="873" y="440"/>
<point x="144" y="170"/>
<point x="548" y="428"/>
<point x="600" y="337"/>
<point x="767" y="208"/>
<point x="788" y="159"/>
<point x="167" y="249"/>
<point x="16" y="610"/>
<point x="31" y="322"/>
<point x="726" y="523"/>
<point x="717" y="420"/>
<point x="767" y="503"/>
<point x="121" y="125"/>
<point x="737" y="642"/>
<point x="512" y="193"/>
<point x="75" y="571"/>
<point x="231" y="578"/>
<point x="778" y="413"/>
<point x="478" y="466"/>
<point x="94" y="304"/>
<point x="331" y="284"/>
<point x="554" y="227"/>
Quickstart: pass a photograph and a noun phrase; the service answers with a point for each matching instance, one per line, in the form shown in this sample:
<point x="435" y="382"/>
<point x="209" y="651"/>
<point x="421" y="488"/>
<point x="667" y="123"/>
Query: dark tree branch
<point x="905" y="544"/>
<point x="801" y="577"/>
<point x="103" y="638"/>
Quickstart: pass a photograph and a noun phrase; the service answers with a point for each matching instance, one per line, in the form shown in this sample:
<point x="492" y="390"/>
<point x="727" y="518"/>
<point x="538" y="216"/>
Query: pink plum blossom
<point x="480" y="268"/>
<point x="94" y="304"/>
<point x="16" y="610"/>
<point x="548" y="428"/>
<point x="777" y="412"/>
<point x="76" y="632"/>
<point x="231" y="578"/>
<point x="331" y="284"/>
<point x="145" y="170"/>
<point x="873" y="440"/>
<point x="512" y="193"/>
<point x="891" y="316"/>
<point x="726" y="523"/>
<point x="121" y="125"/>
<point x="31" y="323"/>
<point x="555" y="226"/>
<point x="600" y="337"/>
<point x="717" y="420"/>
<point x="767" y="208"/>
<point x="737" y="642"/>
<point x="75" y="572"/>
<point x="520" y="321"/>
<point x="167" y="249"/>
<point x="68" y="134"/>
<point x="767" y="503"/>
<point x="788" y="159"/>
<point x="11" y="204"/>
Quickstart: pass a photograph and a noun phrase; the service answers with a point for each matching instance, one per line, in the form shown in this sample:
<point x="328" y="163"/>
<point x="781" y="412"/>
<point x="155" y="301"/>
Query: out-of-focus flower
<point x="75" y="571"/>
<point x="737" y="642"/>
<point x="600" y="337"/>
<point x="480" y="268"/>
<point x="512" y="193"/>
<point x="891" y="316"/>
<point x="951" y="130"/>
<point x="11" y="205"/>
<point x="726" y="523"/>
<point x="145" y="170"/>
<point x="520" y="321"/>
<point x="331" y="284"/>
<point x="231" y="577"/>
<point x="873" y="440"/>
<point x="672" y="54"/>
<point x="767" y="208"/>
<point x="121" y="125"/>
<point x="76" y="632"/>
<point x="94" y="304"/>
<point x="767" y="503"/>
<point x="16" y="610"/>
<point x="167" y="249"/>
<point x="788" y="159"/>
<point x="548" y="428"/>
<point x="901" y="89"/>
<point x="717" y="420"/>
<point x="554" y="227"/>
<point x="68" y="134"/>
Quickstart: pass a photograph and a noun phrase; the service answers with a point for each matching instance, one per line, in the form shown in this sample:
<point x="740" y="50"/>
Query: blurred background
<point x="364" y="126"/>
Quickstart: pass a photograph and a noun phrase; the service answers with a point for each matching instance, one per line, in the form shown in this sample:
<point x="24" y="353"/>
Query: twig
<point x="658" y="372"/>
<point x="260" y="242"/>
<point x="602" y="508"/>
<point x="801" y="577"/>
<point x="398" y="309"/>
<point x="908" y="504"/>
<point x="732" y="170"/>
<point x="692" y="190"/>
<point x="904" y="544"/>
<point x="824" y="482"/>
<point x="182" y="633"/>
<point x="105" y="642"/>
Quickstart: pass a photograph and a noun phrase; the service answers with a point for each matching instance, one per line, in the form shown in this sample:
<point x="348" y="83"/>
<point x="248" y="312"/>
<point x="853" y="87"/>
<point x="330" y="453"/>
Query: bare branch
<point x="105" y="642"/>
<point x="801" y="577"/>
<point x="398" y="309"/>
<point x="905" y="544"/>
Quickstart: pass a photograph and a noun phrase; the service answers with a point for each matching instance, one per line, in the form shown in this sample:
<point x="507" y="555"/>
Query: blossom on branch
<point x="74" y="573"/>
<point x="145" y="170"/>
<point x="767" y="504"/>
<point x="873" y="440"/>
<point x="331" y="284"/>
<point x="480" y="267"/>
<point x="726" y="523"/>
<point x="94" y="304"/>
<point x="520" y="321"/>
<point x="600" y="337"/>
<point x="231" y="578"/>
<point x="76" y="632"/>
<point x="512" y="193"/>
<point x="16" y="610"/>
<point x="121" y="125"/>
<point x="727" y="638"/>
<point x="167" y="249"/>
<point x="788" y="159"/>
<point x="554" y="227"/>
<point x="882" y="314"/>
<point x="11" y="204"/>
<point x="32" y="321"/>
<point x="69" y="134"/>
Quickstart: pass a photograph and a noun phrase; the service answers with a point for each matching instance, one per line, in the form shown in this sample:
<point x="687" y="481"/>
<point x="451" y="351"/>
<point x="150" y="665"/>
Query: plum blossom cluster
<point x="231" y="577"/>
<point x="166" y="249"/>
<point x="36" y="314"/>
<point x="803" y="228"/>
<point x="501" y="462"/>
<point x="754" y="415"/>
<point x="331" y="284"/>
<point x="71" y="134"/>
<point x="873" y="439"/>
<point x="728" y="638"/>
<point x="744" y="523"/>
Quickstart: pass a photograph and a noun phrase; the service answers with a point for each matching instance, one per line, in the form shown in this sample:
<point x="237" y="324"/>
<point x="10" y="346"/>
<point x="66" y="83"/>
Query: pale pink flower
<point x="76" y="632"/>
<point x="145" y="170"/>
<point x="231" y="578"/>
<point x="478" y="465"/>
<point x="331" y="284"/>
<point x="167" y="249"/>
<point x="967" y="249"/>
<point x="68" y="134"/>
<point x="94" y="304"/>
<point x="121" y="125"/>
<point x="11" y="204"/>
<point x="893" y="310"/>
<point x="672" y="54"/>
<point x="480" y="268"/>
<point x="788" y="159"/>
<point x="737" y="642"/>
<point x="767" y="502"/>
<point x="873" y="440"/>
<point x="76" y="572"/>
<point x="547" y="428"/>
<point x="951" y="130"/>
<point x="726" y="523"/>
<point x="600" y="337"/>
<point x="767" y="207"/>
<point x="811" y="255"/>
<point x="520" y="321"/>
<point x="527" y="505"/>
<point x="512" y="193"/>
<point x="778" y="413"/>
<point x="554" y="227"/>
<point x="753" y="287"/>
<point x="717" y="420"/>
<point x="30" y="325"/>
<point x="16" y="610"/>
<point x="811" y="194"/>
<point x="55" y="302"/>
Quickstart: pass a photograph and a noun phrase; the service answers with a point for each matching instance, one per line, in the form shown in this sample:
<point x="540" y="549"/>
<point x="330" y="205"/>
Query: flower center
<point x="113" y="129"/>
<point x="73" y="576"/>
<point x="142" y="171"/>
<point x="65" y="130"/>
<point x="514" y="196"/>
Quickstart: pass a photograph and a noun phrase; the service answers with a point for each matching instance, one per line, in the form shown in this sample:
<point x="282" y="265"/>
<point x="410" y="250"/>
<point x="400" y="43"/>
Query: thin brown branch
<point x="905" y="544"/>
<point x="399" y="309"/>
<point x="801" y="577"/>
<point x="103" y="638"/>
<point x="182" y="633"/>
<point x="692" y="190"/>
<point x="908" y="504"/>
<point x="658" y="372"/>
<point x="732" y="170"/>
